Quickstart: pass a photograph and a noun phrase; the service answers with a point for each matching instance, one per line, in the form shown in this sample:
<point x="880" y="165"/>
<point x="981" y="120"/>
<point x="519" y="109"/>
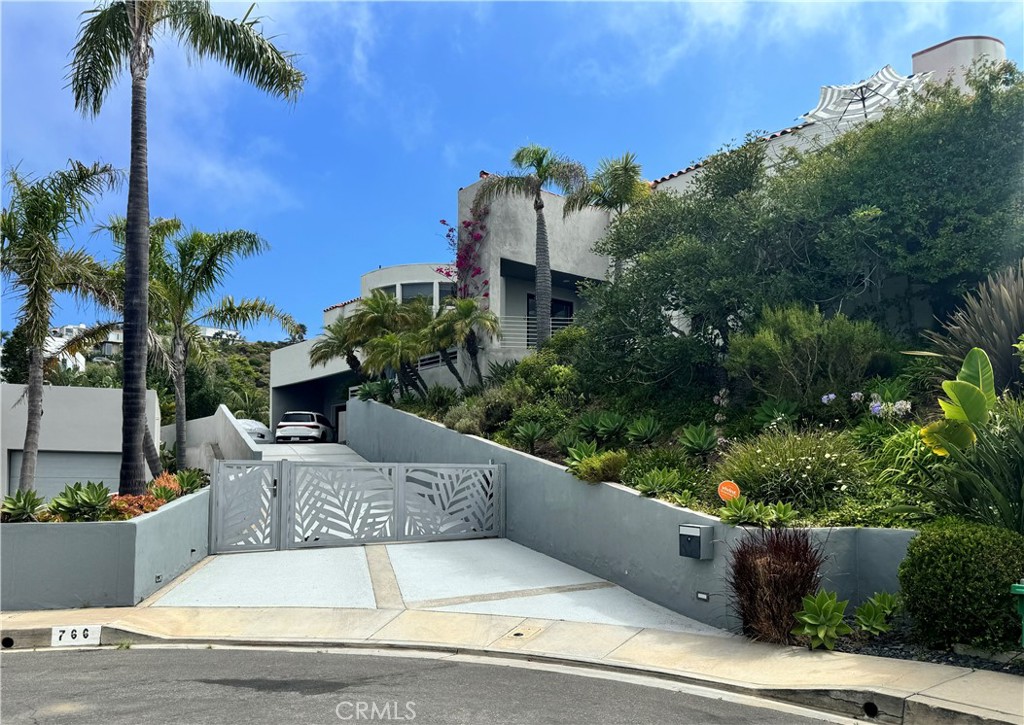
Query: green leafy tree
<point x="541" y="169"/>
<point x="15" y="356"/>
<point x="119" y="35"/>
<point x="338" y="341"/>
<point x="35" y="265"/>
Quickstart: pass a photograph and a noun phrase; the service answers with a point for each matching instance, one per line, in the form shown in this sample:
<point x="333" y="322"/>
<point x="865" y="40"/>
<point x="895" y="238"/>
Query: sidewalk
<point x="895" y="691"/>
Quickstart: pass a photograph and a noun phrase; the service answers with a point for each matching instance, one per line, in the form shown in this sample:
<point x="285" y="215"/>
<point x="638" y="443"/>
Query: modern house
<point x="502" y="265"/>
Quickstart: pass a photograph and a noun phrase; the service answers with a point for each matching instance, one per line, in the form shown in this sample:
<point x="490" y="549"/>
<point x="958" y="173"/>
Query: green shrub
<point x="800" y="354"/>
<point x="564" y="344"/>
<point x="440" y="398"/>
<point x="642" y="462"/>
<point x="776" y="413"/>
<point x="956" y="581"/>
<point x="22" y="506"/>
<point x="547" y="413"/>
<point x="603" y="466"/>
<point x="500" y="372"/>
<point x="466" y="417"/>
<point x="809" y="469"/>
<point x="565" y="439"/>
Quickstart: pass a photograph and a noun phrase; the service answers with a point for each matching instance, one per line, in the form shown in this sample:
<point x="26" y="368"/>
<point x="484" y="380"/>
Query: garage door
<point x="57" y="468"/>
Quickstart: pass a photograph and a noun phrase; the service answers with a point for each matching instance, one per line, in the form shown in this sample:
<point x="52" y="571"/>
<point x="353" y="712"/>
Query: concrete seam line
<point x="387" y="594"/>
<point x="513" y="594"/>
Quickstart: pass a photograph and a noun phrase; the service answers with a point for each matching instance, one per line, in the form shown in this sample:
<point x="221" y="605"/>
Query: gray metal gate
<point x="259" y="506"/>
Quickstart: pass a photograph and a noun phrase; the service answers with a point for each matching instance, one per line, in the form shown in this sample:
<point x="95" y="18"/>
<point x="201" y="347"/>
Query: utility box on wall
<point x="696" y="542"/>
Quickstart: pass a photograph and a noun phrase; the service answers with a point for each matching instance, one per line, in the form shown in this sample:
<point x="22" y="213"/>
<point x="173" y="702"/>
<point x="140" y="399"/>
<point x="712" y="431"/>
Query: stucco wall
<point x="110" y="563"/>
<point x="611" y="531"/>
<point x="86" y="420"/>
<point x="220" y="430"/>
<point x="512" y="234"/>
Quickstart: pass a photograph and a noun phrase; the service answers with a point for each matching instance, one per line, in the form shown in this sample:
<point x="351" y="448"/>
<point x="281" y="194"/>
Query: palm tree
<point x="397" y="351"/>
<point x="440" y="336"/>
<point x="250" y="404"/>
<point x="39" y="213"/>
<point x="614" y="187"/>
<point x="467" y="320"/>
<point x="183" y="282"/>
<point x="119" y="34"/>
<point x="339" y="340"/>
<point x="541" y="170"/>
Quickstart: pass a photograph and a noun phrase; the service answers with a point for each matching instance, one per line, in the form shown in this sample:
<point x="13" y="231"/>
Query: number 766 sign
<point x="75" y="636"/>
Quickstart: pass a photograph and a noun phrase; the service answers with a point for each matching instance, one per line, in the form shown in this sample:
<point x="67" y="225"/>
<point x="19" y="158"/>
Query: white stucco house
<point x="504" y="254"/>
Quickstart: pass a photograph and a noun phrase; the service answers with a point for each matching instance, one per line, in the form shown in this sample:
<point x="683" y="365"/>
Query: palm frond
<point x="238" y="44"/>
<point x="245" y="313"/>
<point x="100" y="54"/>
<point x="494" y="187"/>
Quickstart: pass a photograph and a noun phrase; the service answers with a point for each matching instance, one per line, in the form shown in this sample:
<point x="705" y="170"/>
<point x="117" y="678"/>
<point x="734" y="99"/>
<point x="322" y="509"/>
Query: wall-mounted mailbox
<point x="696" y="542"/>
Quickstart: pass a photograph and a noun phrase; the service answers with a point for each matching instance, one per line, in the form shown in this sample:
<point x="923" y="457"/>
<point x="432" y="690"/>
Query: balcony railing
<point x="522" y="331"/>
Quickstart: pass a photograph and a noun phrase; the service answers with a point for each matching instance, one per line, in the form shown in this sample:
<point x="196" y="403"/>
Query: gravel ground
<point x="898" y="644"/>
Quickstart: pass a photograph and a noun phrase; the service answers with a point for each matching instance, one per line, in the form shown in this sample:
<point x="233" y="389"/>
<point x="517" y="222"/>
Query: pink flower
<point x="477" y="236"/>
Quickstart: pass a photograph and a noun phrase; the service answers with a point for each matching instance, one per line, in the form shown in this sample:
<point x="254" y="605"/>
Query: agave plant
<point x="658" y="481"/>
<point x="698" y="440"/>
<point x="588" y="424"/>
<point x="192" y="479"/>
<point x="22" y="506"/>
<point x="529" y="433"/>
<point x="610" y="428"/>
<point x="578" y="453"/>
<point x="644" y="431"/>
<point x="81" y="503"/>
<point x="821" y="620"/>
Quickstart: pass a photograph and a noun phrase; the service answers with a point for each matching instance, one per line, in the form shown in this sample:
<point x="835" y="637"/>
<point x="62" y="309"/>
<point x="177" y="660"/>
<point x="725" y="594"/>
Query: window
<point x="297" y="418"/>
<point x="389" y="290"/>
<point x="446" y="290"/>
<point x="418" y="291"/>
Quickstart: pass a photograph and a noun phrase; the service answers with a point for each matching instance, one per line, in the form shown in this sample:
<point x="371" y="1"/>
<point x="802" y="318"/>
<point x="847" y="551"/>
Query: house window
<point x="446" y="290"/>
<point x="389" y="290"/>
<point x="418" y="291"/>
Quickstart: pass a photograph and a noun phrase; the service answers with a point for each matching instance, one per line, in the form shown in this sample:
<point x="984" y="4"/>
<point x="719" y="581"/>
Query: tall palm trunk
<point x="414" y="379"/>
<point x="34" y="393"/>
<point x="543" y="275"/>
<point x="446" y="356"/>
<point x="152" y="454"/>
<point x="353" y="363"/>
<point x="473" y="350"/>
<point x="136" y="286"/>
<point x="178" y="356"/>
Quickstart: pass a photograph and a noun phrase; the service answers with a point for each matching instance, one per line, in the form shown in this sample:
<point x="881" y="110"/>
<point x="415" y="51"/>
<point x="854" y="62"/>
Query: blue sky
<point x="406" y="102"/>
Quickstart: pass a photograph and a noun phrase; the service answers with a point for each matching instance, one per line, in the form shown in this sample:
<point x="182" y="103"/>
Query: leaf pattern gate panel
<point x="334" y="505"/>
<point x="245" y="514"/>
<point x="449" y="501"/>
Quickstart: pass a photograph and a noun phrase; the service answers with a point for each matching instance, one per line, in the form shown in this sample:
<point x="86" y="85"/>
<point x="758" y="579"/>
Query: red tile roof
<point x="769" y="137"/>
<point x="342" y="304"/>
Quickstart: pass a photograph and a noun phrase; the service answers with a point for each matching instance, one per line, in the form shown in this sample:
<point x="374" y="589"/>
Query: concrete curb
<point x="875" y="704"/>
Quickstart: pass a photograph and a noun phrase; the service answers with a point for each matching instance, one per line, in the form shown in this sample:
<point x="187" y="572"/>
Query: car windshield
<point x="297" y="418"/>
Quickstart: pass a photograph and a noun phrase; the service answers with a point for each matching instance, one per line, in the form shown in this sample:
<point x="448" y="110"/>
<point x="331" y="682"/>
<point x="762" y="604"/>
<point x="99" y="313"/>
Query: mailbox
<point x="696" y="542"/>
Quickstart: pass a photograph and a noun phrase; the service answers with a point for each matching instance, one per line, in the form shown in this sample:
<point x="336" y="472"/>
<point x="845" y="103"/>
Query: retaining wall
<point x="610" y="530"/>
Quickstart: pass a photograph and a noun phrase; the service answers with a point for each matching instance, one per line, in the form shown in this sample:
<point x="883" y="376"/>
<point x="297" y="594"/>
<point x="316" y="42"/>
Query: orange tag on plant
<point x="727" y="491"/>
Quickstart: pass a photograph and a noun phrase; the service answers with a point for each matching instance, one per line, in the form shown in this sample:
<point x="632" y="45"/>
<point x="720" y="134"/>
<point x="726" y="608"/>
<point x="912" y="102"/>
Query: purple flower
<point x="876" y="409"/>
<point x="828" y="398"/>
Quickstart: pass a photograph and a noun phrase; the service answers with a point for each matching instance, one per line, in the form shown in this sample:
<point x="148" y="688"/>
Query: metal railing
<point x="522" y="331"/>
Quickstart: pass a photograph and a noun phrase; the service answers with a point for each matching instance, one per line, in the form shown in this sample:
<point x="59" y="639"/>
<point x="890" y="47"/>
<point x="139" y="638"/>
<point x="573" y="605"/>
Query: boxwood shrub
<point x="956" y="581"/>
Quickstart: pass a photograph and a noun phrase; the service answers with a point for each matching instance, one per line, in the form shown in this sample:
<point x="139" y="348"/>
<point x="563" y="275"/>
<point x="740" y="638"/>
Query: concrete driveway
<point x="318" y="452"/>
<point x="482" y="576"/>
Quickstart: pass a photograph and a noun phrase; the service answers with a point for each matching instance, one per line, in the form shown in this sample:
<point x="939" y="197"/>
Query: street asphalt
<point x="227" y="686"/>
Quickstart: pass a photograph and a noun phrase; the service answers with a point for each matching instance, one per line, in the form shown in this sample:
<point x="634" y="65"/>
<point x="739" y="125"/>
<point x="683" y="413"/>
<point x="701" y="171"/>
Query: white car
<point x="256" y="430"/>
<point x="304" y="426"/>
